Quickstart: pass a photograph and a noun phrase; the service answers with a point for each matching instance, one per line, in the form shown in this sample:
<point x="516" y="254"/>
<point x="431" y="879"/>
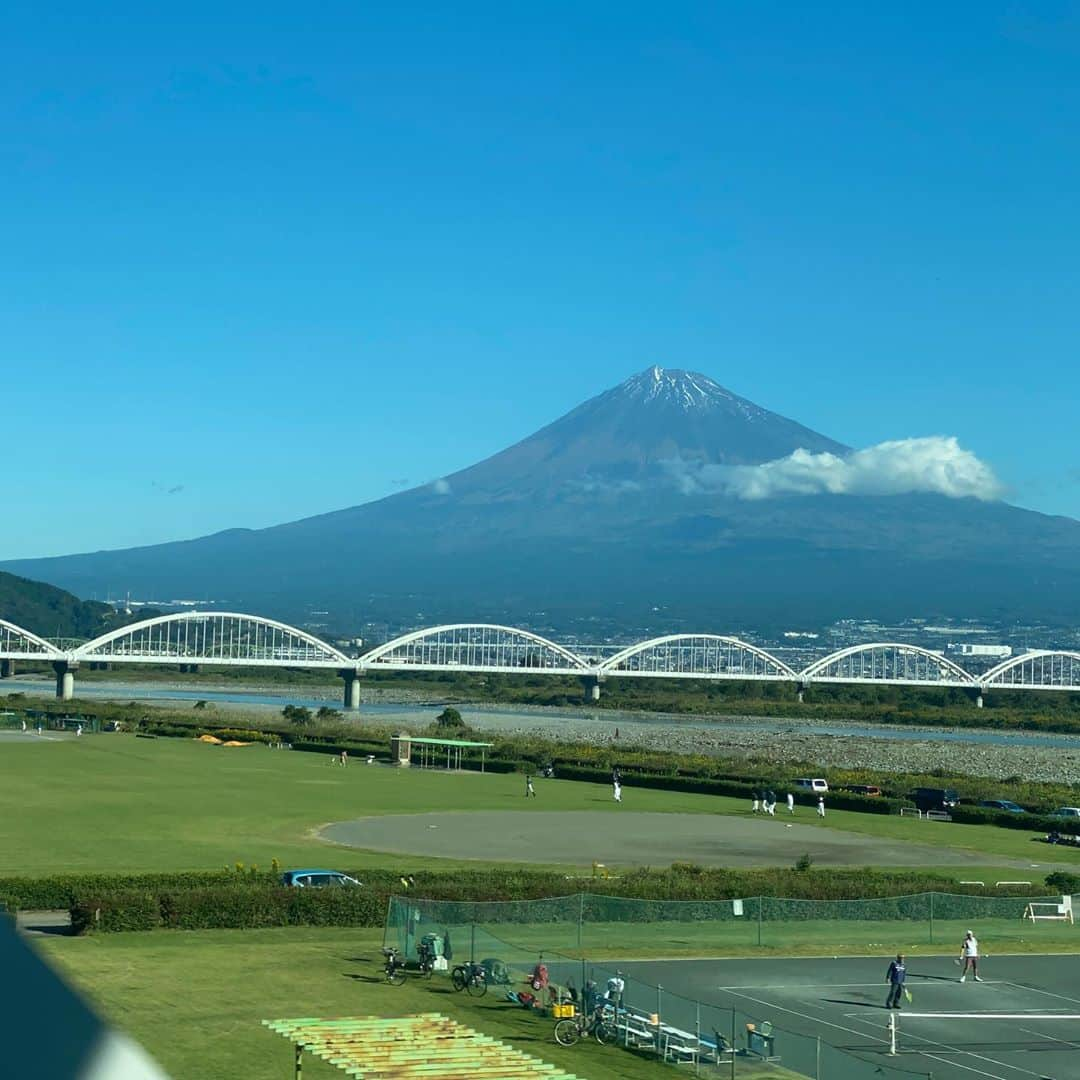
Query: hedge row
<point x="200" y="901"/>
<point x="227" y="907"/>
<point x="261" y="905"/>
<point x="984" y="815"/>
<point x="61" y="890"/>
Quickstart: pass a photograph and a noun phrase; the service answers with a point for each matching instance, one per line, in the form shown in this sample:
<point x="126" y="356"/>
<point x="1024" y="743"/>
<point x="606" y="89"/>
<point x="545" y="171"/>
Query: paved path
<point x="582" y="837"/>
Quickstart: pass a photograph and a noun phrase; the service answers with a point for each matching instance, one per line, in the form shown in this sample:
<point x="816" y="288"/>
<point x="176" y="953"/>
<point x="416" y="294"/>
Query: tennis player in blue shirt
<point x="895" y="978"/>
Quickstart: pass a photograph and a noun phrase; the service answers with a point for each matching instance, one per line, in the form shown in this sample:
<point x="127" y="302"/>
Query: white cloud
<point x="441" y="486"/>
<point x="936" y="464"/>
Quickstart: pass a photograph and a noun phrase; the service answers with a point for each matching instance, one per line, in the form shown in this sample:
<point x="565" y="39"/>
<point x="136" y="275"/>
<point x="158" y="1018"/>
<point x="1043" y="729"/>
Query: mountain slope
<point x="592" y="515"/>
<point x="49" y="611"/>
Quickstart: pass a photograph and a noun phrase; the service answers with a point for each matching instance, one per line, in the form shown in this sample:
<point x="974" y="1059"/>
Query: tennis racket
<point x="907" y="995"/>
<point x="957" y="961"/>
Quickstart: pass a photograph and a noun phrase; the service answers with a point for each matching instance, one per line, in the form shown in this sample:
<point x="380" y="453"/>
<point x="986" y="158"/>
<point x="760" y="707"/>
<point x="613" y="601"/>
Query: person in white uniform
<point x="969" y="954"/>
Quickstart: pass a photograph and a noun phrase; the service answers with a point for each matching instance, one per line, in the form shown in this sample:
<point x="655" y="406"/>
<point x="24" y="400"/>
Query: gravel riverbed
<point x="959" y="750"/>
<point x="784" y="741"/>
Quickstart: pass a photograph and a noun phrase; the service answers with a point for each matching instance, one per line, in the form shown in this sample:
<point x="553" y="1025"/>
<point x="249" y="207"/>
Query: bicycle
<point x="393" y="968"/>
<point x="600" y="1024"/>
<point x="471" y="977"/>
<point x="425" y="960"/>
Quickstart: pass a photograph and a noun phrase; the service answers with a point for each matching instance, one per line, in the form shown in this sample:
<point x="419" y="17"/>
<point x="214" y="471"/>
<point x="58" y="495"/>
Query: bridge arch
<point x="474" y="645"/>
<point x="1041" y="669"/>
<point x="16" y="643"/>
<point x="213" y="637"/>
<point x="697" y="656"/>
<point x="887" y="661"/>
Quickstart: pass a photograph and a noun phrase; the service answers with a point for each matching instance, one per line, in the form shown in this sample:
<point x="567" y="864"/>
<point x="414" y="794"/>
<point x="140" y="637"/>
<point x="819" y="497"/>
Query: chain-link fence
<point x="595" y="925"/>
<point x="575" y="933"/>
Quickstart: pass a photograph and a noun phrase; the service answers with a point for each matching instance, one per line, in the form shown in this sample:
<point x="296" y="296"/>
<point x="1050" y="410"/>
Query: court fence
<point x="586" y="922"/>
<point x="568" y="933"/>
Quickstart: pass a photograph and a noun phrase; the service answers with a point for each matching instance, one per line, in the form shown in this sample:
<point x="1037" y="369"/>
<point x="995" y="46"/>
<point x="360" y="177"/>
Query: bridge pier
<point x="351" y="697"/>
<point x="189" y="669"/>
<point x="65" y="678"/>
<point x="591" y="683"/>
<point x="979" y="698"/>
<point x="800" y="690"/>
<point x="7" y="669"/>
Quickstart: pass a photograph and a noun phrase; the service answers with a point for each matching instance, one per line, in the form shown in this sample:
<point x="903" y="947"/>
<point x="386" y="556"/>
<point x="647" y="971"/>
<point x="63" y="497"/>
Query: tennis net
<point x="942" y="1033"/>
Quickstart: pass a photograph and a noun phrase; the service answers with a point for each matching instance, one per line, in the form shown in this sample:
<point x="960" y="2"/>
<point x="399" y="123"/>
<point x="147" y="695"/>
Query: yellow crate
<point x="560" y="1012"/>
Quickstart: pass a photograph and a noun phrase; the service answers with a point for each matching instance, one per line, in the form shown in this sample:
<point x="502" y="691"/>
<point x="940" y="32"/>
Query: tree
<point x="325" y="713"/>
<point x="449" y="718"/>
<point x="297" y="714"/>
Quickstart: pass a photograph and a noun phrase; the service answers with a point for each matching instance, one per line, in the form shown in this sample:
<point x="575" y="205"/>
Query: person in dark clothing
<point x="895" y="978"/>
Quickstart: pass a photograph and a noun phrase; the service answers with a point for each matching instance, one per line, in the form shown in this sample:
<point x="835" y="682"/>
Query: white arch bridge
<point x="230" y="639"/>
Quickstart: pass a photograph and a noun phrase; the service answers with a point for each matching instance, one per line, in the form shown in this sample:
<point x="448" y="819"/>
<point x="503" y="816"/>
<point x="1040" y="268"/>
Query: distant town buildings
<point x="989" y="652"/>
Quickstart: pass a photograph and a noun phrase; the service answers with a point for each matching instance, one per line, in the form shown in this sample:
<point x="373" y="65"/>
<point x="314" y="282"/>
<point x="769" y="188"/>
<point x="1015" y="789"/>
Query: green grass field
<point x="195" y="1001"/>
<point x="121" y="803"/>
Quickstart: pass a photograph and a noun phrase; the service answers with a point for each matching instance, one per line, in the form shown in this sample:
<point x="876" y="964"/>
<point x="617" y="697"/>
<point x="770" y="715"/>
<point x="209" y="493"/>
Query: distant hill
<point x="656" y="503"/>
<point x="49" y="611"/>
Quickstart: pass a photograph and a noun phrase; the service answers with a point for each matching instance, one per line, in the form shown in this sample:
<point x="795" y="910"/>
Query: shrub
<point x="449" y="718"/>
<point x="1064" y="881"/>
<point x="131" y="909"/>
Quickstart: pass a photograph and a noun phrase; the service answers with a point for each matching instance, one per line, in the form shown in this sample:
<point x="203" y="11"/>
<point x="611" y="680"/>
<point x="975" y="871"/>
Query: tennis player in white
<point x="969" y="954"/>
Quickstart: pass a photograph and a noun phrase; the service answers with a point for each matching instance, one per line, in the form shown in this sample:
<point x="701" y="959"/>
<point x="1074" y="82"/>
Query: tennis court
<point x="842" y="1002"/>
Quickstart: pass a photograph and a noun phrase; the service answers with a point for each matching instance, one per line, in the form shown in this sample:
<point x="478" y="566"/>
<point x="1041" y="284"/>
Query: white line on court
<point x="1049" y="993"/>
<point x="1052" y="1038"/>
<point x="1033" y="1013"/>
<point x="850" y="986"/>
<point x="863" y="1034"/>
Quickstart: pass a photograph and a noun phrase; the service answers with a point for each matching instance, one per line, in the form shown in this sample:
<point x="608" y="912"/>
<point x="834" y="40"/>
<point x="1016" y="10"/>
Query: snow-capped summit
<point x="686" y="389"/>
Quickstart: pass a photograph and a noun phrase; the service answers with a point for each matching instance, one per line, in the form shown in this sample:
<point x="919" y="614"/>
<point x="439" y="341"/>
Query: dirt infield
<point x="579" y="838"/>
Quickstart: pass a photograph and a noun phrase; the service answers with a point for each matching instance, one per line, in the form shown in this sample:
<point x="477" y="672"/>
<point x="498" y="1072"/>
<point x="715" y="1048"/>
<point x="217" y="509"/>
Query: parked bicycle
<point x="600" y="1024"/>
<point x="393" y="967"/>
<point x="425" y="960"/>
<point x="471" y="977"/>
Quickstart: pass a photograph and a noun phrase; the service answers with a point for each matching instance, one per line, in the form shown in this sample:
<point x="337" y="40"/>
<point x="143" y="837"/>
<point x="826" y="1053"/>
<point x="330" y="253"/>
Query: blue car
<point x="1003" y="804"/>
<point x="317" y="879"/>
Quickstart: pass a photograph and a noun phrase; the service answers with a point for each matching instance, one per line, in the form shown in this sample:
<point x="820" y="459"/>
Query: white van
<point x="1067" y="811"/>
<point x="818" y="787"/>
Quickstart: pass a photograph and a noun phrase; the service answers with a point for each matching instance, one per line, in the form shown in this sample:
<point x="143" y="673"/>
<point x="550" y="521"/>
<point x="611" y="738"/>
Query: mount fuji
<point x="667" y="500"/>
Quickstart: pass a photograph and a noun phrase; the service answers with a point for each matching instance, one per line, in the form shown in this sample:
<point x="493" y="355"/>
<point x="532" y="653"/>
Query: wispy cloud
<point x="167" y="489"/>
<point x="937" y="464"/>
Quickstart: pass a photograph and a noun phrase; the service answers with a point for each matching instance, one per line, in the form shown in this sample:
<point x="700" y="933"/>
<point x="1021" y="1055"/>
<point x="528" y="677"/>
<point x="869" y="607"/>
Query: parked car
<point x="818" y="787"/>
<point x="1066" y="811"/>
<point x="318" y="879"/>
<point x="931" y="798"/>
<point x="862" y="789"/>
<point x="1002" y="804"/>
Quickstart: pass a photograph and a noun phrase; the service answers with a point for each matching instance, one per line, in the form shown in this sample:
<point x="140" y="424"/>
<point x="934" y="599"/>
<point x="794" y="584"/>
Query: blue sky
<point x="264" y="261"/>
